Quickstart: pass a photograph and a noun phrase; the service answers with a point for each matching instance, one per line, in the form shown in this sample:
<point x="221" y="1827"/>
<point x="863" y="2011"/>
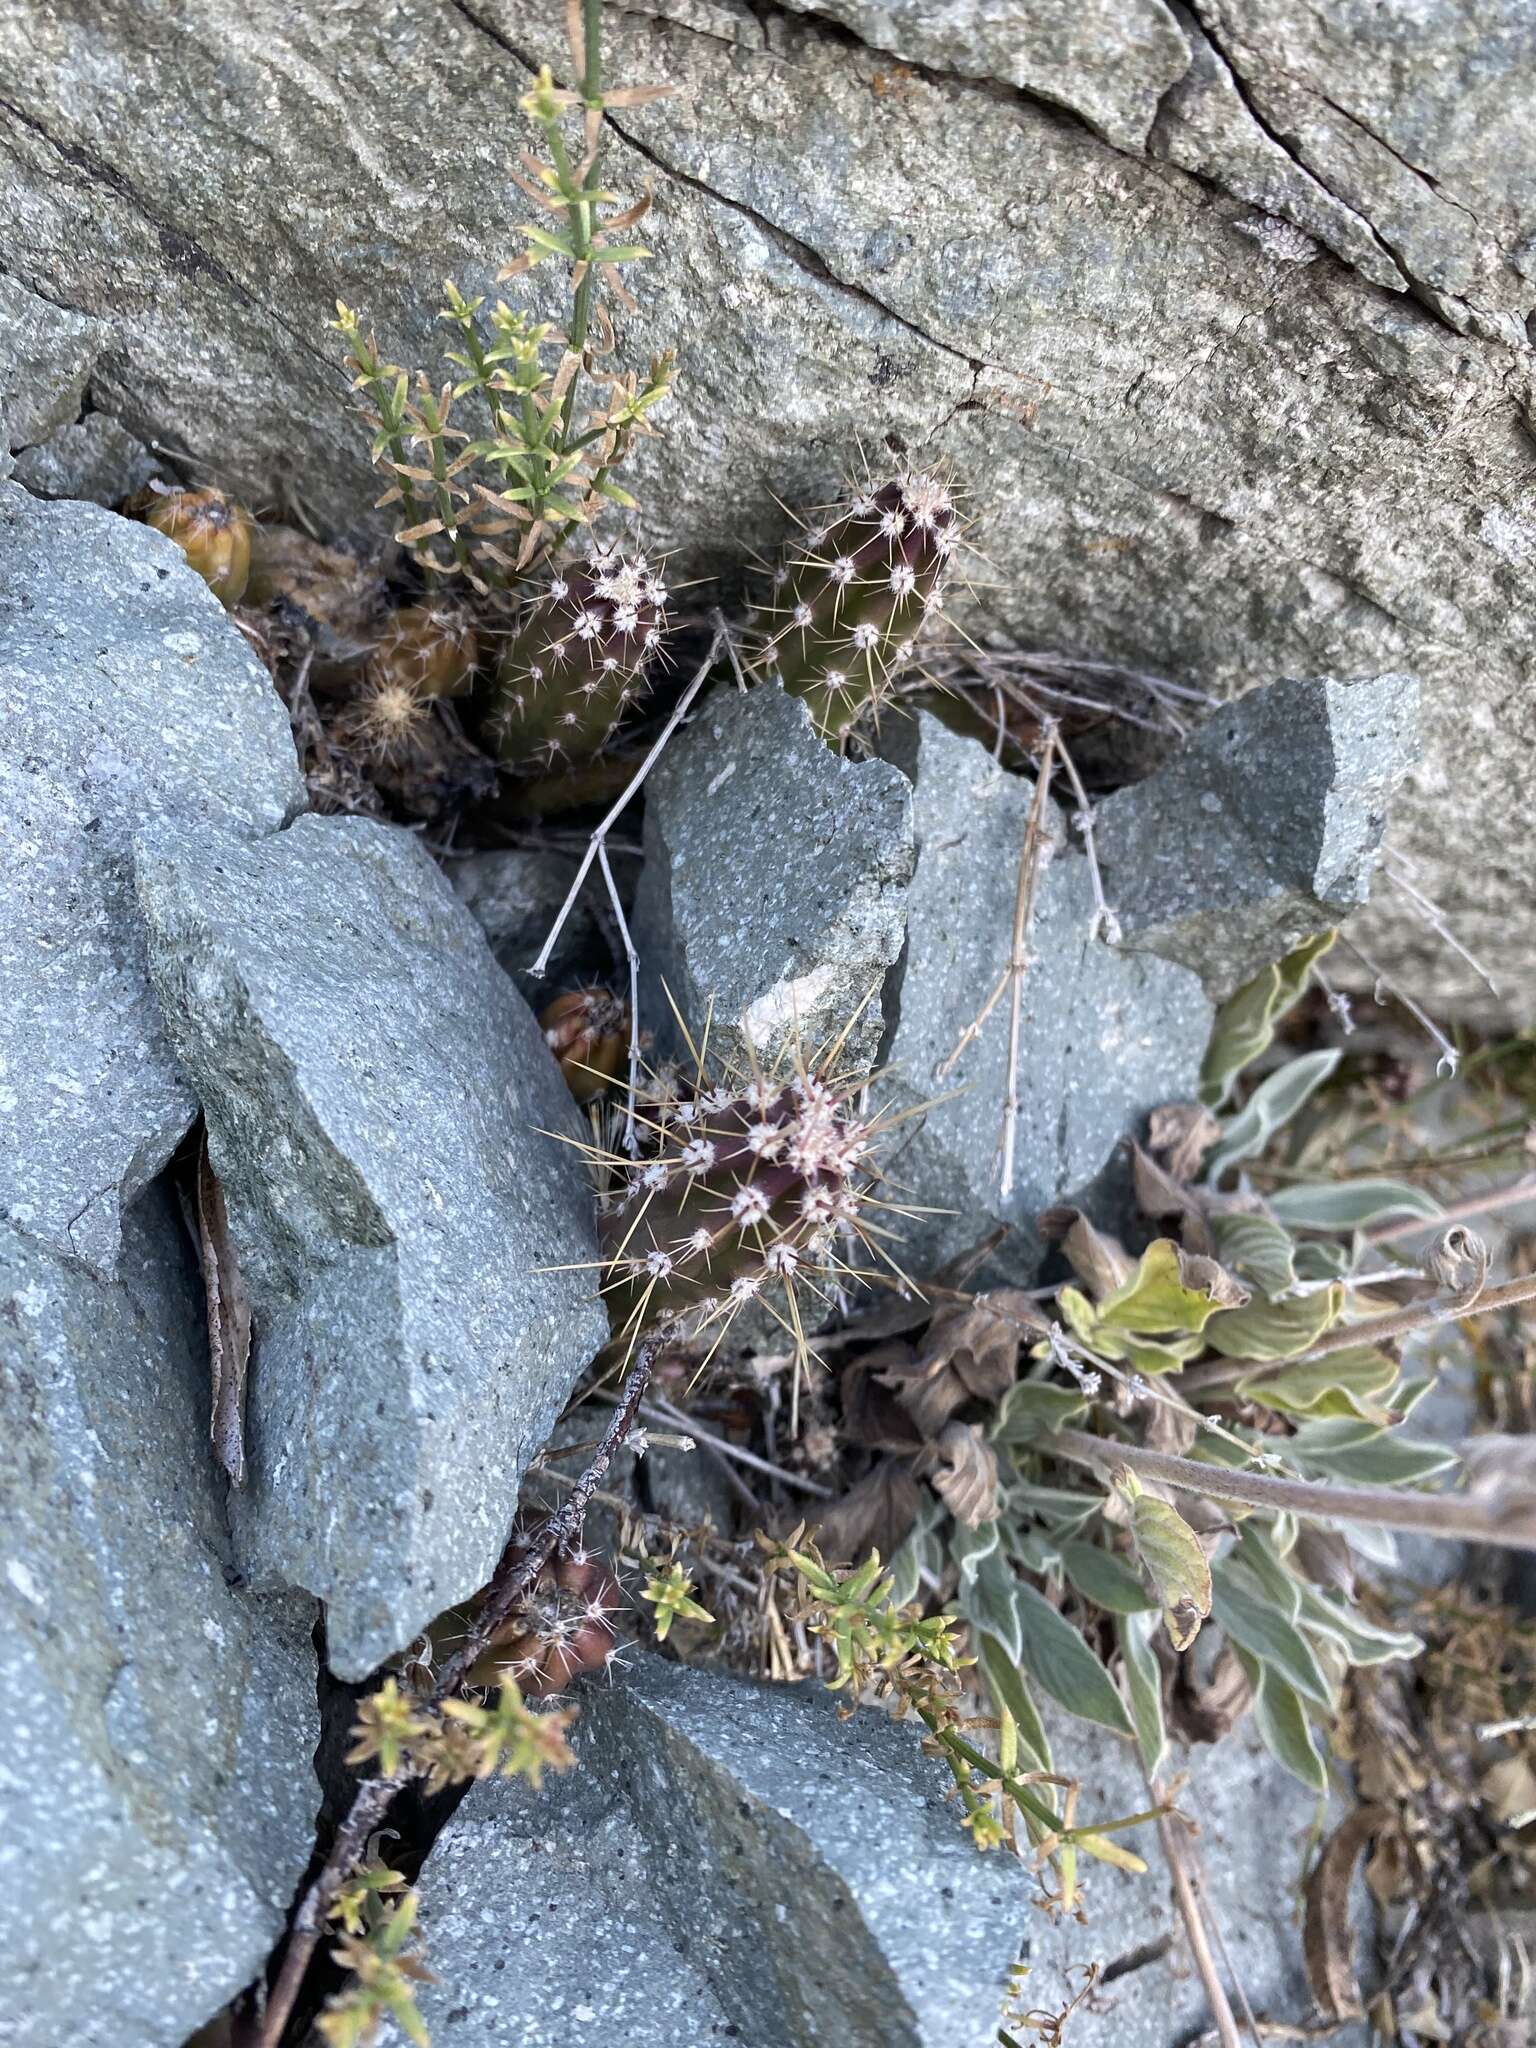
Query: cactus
<point x="212" y="531"/>
<point x="587" y="1031"/>
<point x="575" y="662"/>
<point x="430" y="649"/>
<point x="843" y="615"/>
<point x="753" y="1187"/>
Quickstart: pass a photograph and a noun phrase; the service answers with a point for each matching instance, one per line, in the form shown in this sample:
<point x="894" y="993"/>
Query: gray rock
<point x="46" y="355"/>
<point x="514" y="894"/>
<point x="1190" y="452"/>
<point x="1255" y="1840"/>
<point x="775" y="882"/>
<point x="156" y="1723"/>
<point x="1105" y="1035"/>
<point x="776" y="1876"/>
<point x="1263" y="828"/>
<point x="1109" y="63"/>
<point x="125" y="695"/>
<point x="376" y="1092"/>
<point x="93" y="458"/>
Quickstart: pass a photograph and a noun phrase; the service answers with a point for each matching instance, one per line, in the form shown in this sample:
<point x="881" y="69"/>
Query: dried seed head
<point x="385" y="721"/>
<point x="212" y="531"/>
<point x="587" y="1031"/>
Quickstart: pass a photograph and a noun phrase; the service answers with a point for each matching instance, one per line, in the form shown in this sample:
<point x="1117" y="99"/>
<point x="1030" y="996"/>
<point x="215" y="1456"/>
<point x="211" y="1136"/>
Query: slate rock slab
<point x="1263" y="828"/>
<point x="156" y="1723"/>
<point x="46" y="355"/>
<point x="1105" y="1035"/>
<point x="775" y="881"/>
<point x="95" y="458"/>
<point x="779" y="1877"/>
<point x="377" y="1095"/>
<point x="125" y="695"/>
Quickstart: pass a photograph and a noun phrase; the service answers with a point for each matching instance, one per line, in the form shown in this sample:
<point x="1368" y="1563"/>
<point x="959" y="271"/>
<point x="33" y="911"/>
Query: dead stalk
<point x="1186" y="1898"/>
<point x="514" y="1580"/>
<point x="1455" y="1516"/>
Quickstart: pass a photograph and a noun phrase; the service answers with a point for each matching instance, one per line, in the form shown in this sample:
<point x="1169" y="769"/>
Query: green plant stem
<point x="1453" y="1516"/>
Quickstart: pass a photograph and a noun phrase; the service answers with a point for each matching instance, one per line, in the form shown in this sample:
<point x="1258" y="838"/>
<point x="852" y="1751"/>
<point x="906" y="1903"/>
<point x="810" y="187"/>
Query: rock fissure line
<point x="178" y="247"/>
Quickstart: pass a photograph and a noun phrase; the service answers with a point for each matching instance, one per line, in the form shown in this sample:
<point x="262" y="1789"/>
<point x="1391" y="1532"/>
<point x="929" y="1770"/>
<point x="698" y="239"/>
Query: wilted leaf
<point x="1180" y="1134"/>
<point x="1508" y="1791"/>
<point x="1171" y="1295"/>
<point x="1245" y="1023"/>
<point x="970" y="1353"/>
<point x="1171" y="1557"/>
<point x="1272" y="1105"/>
<point x="1099" y="1261"/>
<point x="229" y="1319"/>
<point x="962" y="1468"/>
<point x="1159" y="1195"/>
<point x="1209" y="1712"/>
<point x="1324" y="1558"/>
<point x="1351" y="1204"/>
<point x="1143" y="1687"/>
<point x="1061" y="1663"/>
<point x="1328" y="1938"/>
<point x="874" y="1514"/>
<point x="1344" y="1384"/>
<point x="872" y="1415"/>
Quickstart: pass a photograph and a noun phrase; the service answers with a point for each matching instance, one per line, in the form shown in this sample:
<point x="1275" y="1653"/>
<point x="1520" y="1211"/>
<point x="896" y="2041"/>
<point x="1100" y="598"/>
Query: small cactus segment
<point x="754" y="1187"/>
<point x="212" y="531"/>
<point x="588" y="1032"/>
<point x="844" y="613"/>
<point x="429" y="649"/>
<point x="575" y="662"/>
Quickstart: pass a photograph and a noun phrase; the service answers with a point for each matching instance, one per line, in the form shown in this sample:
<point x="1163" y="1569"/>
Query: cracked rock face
<point x="1263" y="828"/>
<point x="1105" y="1035"/>
<point x="1232" y="357"/>
<point x="93" y="458"/>
<point x="774" y="892"/>
<point x="46" y="356"/>
<point x="728" y="1862"/>
<point x="376" y="1094"/>
<point x="156" y="1723"/>
<point x="125" y="696"/>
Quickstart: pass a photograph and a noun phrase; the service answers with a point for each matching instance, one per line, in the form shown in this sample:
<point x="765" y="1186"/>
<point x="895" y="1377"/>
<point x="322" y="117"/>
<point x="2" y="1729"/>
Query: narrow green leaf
<point x="1350" y="1384"/>
<point x="1103" y="1578"/>
<point x="1272" y="1105"/>
<point x="1352" y="1204"/>
<point x="1034" y="1408"/>
<point x="1361" y="1640"/>
<point x="1061" y="1663"/>
<point x="1006" y="1684"/>
<point x="1241" y="1609"/>
<point x="1245" y="1023"/>
<point x="1374" y="1457"/>
<point x="970" y="1548"/>
<point x="1282" y="1722"/>
<point x="1144" y="1687"/>
<point x="1254" y="1550"/>
<point x="1275" y="1329"/>
<point x="989" y="1601"/>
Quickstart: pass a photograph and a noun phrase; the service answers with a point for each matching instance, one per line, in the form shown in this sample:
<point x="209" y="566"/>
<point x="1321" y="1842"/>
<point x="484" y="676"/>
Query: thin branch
<point x="631" y="1144"/>
<point x="1450" y="1058"/>
<point x="1475" y="1205"/>
<point x="663" y="1411"/>
<point x="514" y="1580"/>
<point x="1395" y="867"/>
<point x="1455" y="1516"/>
<point x="599" y="836"/>
<point x="1186" y="1898"/>
<point x="1018" y="961"/>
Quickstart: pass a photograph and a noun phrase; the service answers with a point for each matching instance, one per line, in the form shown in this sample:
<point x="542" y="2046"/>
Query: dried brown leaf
<point x="873" y="1416"/>
<point x="875" y="1514"/>
<point x="229" y="1320"/>
<point x="1324" y="1557"/>
<point x="1328" y="1934"/>
<point x="1181" y="1133"/>
<point x="1100" y="1261"/>
<point x="1206" y="1712"/>
<point x="964" y="1473"/>
<point x="969" y="1353"/>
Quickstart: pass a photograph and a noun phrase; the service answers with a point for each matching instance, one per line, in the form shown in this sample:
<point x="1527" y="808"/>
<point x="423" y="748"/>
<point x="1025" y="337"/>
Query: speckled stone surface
<point x="773" y="896"/>
<point x="156" y="1723"/>
<point x="378" y="1099"/>
<point x="125" y="695"/>
<point x="1104" y="1035"/>
<point x="728" y="1862"/>
<point x="1263" y="828"/>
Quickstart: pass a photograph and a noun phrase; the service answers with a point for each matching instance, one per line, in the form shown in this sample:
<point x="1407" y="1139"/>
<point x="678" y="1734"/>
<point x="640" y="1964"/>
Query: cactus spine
<point x="844" y="613"/>
<point x="576" y="662"/>
<point x="212" y="531"/>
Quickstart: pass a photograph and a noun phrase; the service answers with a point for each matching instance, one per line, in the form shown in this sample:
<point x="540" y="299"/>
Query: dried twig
<point x="1018" y="959"/>
<point x="1186" y="1898"/>
<point x="1397" y="871"/>
<point x="514" y="1580"/>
